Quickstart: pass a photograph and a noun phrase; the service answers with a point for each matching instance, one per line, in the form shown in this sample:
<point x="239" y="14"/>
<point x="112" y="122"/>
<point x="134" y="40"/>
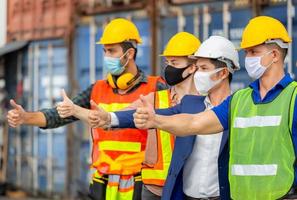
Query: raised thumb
<point x="15" y="105"/>
<point x="64" y="95"/>
<point x="144" y="101"/>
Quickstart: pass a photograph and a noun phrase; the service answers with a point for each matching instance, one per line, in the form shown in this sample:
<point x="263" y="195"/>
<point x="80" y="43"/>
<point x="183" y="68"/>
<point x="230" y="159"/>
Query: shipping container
<point x="37" y="157"/>
<point x="31" y="19"/>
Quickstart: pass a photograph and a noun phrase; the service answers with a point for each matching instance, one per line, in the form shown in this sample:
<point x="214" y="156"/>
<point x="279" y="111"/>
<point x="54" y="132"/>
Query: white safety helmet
<point x="220" y="48"/>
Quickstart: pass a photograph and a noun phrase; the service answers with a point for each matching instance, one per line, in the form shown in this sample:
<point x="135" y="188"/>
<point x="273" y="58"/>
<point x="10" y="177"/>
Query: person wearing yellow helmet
<point x="179" y="69"/>
<point x="117" y="155"/>
<point x="261" y="118"/>
<point x="178" y="73"/>
<point x="119" y="39"/>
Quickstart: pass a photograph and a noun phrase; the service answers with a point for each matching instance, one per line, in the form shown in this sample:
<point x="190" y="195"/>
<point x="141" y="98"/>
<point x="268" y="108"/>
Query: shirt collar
<point x="284" y="82"/>
<point x="272" y="93"/>
<point x="207" y="102"/>
<point x="143" y="77"/>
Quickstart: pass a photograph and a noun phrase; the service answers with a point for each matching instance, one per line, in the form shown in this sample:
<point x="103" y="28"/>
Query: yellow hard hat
<point x="263" y="29"/>
<point x="182" y="44"/>
<point x="120" y="30"/>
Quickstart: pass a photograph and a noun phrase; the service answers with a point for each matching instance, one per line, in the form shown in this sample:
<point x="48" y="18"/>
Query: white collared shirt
<point x="200" y="173"/>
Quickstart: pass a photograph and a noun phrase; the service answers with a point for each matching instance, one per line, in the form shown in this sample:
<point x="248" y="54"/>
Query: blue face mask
<point x="114" y="65"/>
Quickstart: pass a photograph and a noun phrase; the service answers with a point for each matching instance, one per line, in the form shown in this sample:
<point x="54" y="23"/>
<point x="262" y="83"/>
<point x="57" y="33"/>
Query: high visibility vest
<point x="157" y="174"/>
<point x="119" y="151"/>
<point x="262" y="157"/>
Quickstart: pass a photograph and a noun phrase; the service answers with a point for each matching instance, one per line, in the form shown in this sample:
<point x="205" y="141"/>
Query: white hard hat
<point x="220" y="48"/>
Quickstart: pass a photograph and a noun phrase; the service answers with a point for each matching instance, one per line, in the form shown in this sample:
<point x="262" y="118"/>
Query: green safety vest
<point x="261" y="165"/>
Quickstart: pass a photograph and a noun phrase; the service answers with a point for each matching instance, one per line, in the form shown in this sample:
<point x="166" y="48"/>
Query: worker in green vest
<point x="262" y="119"/>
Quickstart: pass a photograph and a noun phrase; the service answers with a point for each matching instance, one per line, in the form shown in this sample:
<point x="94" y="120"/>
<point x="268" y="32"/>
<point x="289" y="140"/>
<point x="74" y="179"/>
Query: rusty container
<point x="38" y="19"/>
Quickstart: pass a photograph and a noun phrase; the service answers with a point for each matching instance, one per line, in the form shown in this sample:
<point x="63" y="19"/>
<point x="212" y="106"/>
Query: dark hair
<point x="128" y="45"/>
<point x="283" y="51"/>
<point x="220" y="64"/>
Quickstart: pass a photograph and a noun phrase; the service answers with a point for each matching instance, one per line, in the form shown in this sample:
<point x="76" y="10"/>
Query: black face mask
<point x="174" y="75"/>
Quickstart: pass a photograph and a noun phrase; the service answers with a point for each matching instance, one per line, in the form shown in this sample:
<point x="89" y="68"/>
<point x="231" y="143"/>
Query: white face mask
<point x="253" y="66"/>
<point x="203" y="82"/>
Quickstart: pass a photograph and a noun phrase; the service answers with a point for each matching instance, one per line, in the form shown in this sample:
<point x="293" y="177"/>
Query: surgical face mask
<point x="203" y="82"/>
<point x="114" y="65"/>
<point x="174" y="75"/>
<point x="253" y="66"/>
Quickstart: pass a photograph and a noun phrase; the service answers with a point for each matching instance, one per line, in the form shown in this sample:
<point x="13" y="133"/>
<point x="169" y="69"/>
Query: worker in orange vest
<point x="118" y="154"/>
<point x="179" y="75"/>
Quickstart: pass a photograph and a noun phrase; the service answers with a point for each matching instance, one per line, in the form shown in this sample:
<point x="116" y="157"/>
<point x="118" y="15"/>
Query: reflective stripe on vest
<point x="261" y="164"/>
<point x="119" y="146"/>
<point x="119" y="151"/>
<point x="257" y="121"/>
<point x="113" y="107"/>
<point x="120" y="187"/>
<point x="254" y="170"/>
<point x="157" y="174"/>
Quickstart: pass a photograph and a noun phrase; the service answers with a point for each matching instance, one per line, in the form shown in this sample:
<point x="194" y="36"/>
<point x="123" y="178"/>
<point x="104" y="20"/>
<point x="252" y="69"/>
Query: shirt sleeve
<point x="222" y="112"/>
<point x="125" y="118"/>
<point x="53" y="120"/>
<point x="169" y="111"/>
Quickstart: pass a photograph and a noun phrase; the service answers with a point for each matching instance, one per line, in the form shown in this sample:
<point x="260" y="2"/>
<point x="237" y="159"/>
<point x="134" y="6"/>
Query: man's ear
<point x="192" y="68"/>
<point x="225" y="73"/>
<point x="130" y="54"/>
<point x="277" y="55"/>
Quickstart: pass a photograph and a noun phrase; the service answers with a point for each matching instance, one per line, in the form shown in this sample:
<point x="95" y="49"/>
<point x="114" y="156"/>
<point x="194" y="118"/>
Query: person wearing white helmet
<point x="192" y="175"/>
<point x="262" y="118"/>
<point x="206" y="176"/>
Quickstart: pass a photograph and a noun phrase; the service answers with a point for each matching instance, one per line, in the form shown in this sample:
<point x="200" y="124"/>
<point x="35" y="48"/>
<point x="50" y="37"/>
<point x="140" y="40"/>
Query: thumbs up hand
<point x="65" y="108"/>
<point x="144" y="116"/>
<point x="15" y="117"/>
<point x="98" y="117"/>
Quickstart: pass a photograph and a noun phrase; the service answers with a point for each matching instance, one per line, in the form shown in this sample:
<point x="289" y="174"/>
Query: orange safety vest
<point x="157" y="174"/>
<point x="119" y="151"/>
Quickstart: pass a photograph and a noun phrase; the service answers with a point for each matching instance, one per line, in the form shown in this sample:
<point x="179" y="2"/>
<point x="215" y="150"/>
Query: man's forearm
<point x="81" y="113"/>
<point x="175" y="124"/>
<point x="203" y="123"/>
<point x="34" y="119"/>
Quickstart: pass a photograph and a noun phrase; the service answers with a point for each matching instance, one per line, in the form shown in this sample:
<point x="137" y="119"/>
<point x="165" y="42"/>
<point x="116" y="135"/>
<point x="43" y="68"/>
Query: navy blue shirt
<point x="222" y="110"/>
